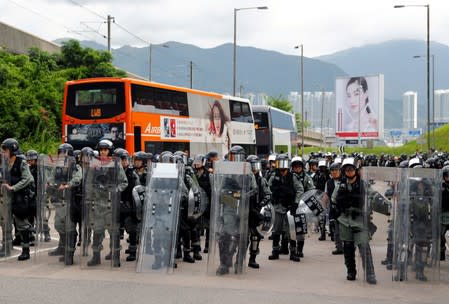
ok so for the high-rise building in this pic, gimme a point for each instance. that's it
(441, 109)
(410, 110)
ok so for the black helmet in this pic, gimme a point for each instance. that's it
(335, 166)
(77, 154)
(313, 161)
(445, 171)
(166, 157)
(237, 154)
(255, 162)
(403, 164)
(87, 151)
(282, 161)
(105, 144)
(121, 153)
(12, 145)
(66, 149)
(31, 155)
(140, 155)
(182, 155)
(199, 161)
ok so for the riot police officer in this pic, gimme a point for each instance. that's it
(20, 184)
(307, 183)
(332, 186)
(128, 216)
(320, 179)
(105, 212)
(353, 221)
(286, 194)
(140, 160)
(444, 212)
(260, 198)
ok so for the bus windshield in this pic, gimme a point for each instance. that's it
(97, 100)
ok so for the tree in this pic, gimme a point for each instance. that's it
(280, 103)
(299, 122)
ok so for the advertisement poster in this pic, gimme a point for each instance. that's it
(88, 135)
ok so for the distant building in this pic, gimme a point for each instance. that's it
(259, 99)
(441, 106)
(409, 110)
(319, 110)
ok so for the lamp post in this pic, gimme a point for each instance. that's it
(427, 6)
(235, 43)
(433, 96)
(302, 98)
(151, 57)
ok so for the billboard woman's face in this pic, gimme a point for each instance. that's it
(217, 120)
(356, 97)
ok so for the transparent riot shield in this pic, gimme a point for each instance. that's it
(416, 230)
(101, 198)
(311, 205)
(229, 217)
(198, 201)
(6, 248)
(53, 210)
(380, 201)
(160, 220)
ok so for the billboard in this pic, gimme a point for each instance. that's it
(360, 107)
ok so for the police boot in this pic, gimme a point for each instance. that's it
(284, 246)
(252, 261)
(132, 256)
(419, 263)
(196, 253)
(108, 257)
(178, 254)
(367, 263)
(187, 257)
(349, 254)
(300, 248)
(294, 252)
(61, 246)
(25, 255)
(206, 242)
(96, 259)
(388, 262)
(323, 234)
(17, 240)
(47, 237)
(275, 253)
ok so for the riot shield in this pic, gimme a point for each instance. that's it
(268, 214)
(380, 200)
(198, 201)
(53, 209)
(101, 198)
(6, 248)
(229, 217)
(160, 221)
(416, 230)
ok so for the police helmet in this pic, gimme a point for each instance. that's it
(199, 161)
(87, 151)
(12, 145)
(445, 171)
(403, 164)
(313, 161)
(182, 155)
(255, 162)
(338, 160)
(272, 158)
(77, 154)
(106, 144)
(282, 161)
(335, 166)
(31, 155)
(237, 154)
(166, 157)
(322, 163)
(297, 160)
(350, 161)
(66, 149)
(431, 162)
(415, 162)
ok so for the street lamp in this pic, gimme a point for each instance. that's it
(150, 58)
(235, 43)
(302, 98)
(433, 96)
(427, 6)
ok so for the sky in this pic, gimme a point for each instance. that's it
(322, 26)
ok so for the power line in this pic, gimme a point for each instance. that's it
(88, 9)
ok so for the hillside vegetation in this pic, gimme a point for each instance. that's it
(32, 87)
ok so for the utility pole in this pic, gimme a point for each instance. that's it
(110, 18)
(191, 74)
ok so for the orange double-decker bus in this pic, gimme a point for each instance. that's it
(153, 117)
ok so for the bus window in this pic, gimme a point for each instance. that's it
(240, 111)
(261, 120)
(160, 101)
(97, 100)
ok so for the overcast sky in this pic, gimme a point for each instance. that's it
(323, 26)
